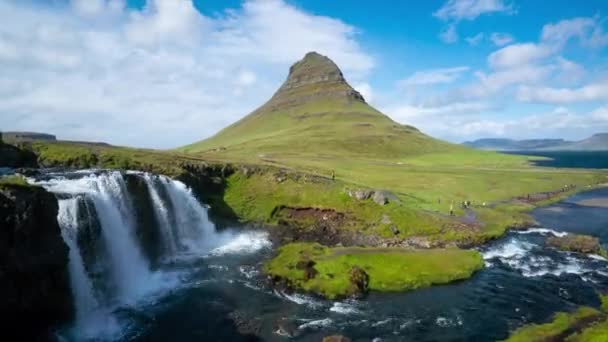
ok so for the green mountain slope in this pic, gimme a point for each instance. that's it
(316, 111)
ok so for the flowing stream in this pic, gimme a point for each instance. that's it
(146, 264)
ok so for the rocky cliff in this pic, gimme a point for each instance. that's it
(34, 279)
(11, 156)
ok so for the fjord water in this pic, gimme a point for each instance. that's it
(570, 159)
(206, 285)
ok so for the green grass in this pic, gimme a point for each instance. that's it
(13, 180)
(597, 332)
(389, 269)
(559, 325)
(78, 155)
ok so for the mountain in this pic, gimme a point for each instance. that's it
(515, 145)
(317, 112)
(597, 142)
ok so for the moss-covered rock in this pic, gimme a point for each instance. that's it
(352, 271)
(576, 243)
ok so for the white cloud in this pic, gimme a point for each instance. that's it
(449, 34)
(519, 54)
(434, 76)
(501, 39)
(588, 30)
(476, 39)
(471, 9)
(591, 92)
(161, 77)
(466, 121)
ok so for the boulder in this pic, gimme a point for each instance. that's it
(287, 328)
(361, 195)
(336, 338)
(576, 243)
(380, 197)
(34, 278)
(360, 280)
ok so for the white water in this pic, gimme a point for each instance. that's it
(129, 268)
(182, 222)
(91, 320)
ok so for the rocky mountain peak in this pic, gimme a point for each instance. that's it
(315, 76)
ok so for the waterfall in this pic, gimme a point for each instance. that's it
(186, 227)
(90, 321)
(126, 233)
(129, 268)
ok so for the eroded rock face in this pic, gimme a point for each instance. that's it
(576, 243)
(34, 279)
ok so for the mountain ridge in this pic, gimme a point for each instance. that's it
(596, 142)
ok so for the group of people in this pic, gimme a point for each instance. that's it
(464, 205)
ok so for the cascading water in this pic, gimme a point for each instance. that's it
(108, 264)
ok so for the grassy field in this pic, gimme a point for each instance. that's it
(582, 325)
(389, 269)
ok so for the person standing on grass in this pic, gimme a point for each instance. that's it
(452, 209)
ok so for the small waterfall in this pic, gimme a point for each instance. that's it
(89, 320)
(162, 215)
(129, 268)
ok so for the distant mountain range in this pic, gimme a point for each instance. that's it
(597, 142)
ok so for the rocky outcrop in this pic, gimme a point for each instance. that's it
(34, 279)
(381, 197)
(576, 243)
(11, 156)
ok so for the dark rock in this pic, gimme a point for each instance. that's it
(11, 156)
(336, 338)
(360, 280)
(394, 230)
(576, 243)
(287, 328)
(34, 279)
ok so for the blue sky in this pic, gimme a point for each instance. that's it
(163, 73)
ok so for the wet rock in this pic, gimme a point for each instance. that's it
(336, 338)
(360, 280)
(576, 243)
(287, 328)
(34, 279)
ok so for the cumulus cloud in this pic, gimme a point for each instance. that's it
(463, 121)
(161, 77)
(597, 91)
